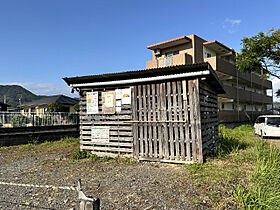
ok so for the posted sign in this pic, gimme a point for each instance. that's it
(100, 134)
(92, 102)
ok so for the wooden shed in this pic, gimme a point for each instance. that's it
(165, 114)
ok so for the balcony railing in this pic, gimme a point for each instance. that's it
(179, 59)
(245, 95)
(17, 119)
(235, 116)
(229, 68)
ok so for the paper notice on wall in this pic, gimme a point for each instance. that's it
(100, 134)
(118, 103)
(92, 102)
(118, 93)
(109, 102)
(126, 96)
(118, 108)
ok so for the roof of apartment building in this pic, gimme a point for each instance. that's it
(214, 44)
(165, 44)
(60, 99)
(217, 44)
(130, 77)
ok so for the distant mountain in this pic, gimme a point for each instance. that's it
(15, 93)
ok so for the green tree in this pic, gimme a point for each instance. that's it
(261, 54)
(55, 107)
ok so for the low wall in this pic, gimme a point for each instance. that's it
(24, 135)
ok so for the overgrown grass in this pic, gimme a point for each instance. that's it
(34, 144)
(245, 174)
(263, 190)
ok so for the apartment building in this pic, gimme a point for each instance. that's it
(246, 93)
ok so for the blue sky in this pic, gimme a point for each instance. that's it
(42, 41)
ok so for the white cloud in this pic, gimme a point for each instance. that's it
(44, 88)
(231, 25)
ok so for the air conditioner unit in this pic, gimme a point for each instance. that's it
(157, 52)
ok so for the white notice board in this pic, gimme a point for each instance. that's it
(126, 96)
(92, 102)
(100, 134)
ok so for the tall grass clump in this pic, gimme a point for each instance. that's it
(231, 140)
(263, 189)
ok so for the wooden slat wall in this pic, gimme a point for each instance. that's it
(163, 122)
(121, 130)
(209, 118)
(174, 121)
(195, 120)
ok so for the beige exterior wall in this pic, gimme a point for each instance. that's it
(243, 89)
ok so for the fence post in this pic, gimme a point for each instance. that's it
(87, 203)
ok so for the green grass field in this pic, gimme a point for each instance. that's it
(244, 175)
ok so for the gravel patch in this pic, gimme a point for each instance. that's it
(142, 185)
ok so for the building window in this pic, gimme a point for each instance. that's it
(172, 53)
(233, 106)
(208, 55)
(223, 105)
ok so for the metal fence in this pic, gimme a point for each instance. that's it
(17, 119)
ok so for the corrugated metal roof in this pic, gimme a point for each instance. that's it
(164, 71)
(136, 73)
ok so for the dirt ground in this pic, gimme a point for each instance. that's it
(118, 184)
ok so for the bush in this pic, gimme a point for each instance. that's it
(19, 120)
(55, 107)
(83, 154)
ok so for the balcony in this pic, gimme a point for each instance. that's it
(228, 68)
(245, 95)
(179, 59)
(241, 116)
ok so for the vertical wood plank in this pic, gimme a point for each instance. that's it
(170, 140)
(198, 122)
(159, 117)
(175, 110)
(164, 118)
(192, 118)
(154, 116)
(195, 120)
(186, 116)
(180, 108)
(145, 119)
(150, 134)
(140, 110)
(135, 125)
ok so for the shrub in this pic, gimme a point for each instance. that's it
(19, 120)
